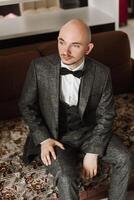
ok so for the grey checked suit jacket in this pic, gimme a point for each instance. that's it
(39, 104)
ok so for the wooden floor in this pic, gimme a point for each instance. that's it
(101, 192)
(129, 197)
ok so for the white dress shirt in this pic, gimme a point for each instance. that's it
(70, 86)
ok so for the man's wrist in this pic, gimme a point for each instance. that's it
(93, 154)
(44, 141)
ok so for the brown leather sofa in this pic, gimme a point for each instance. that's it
(111, 48)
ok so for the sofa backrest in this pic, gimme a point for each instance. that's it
(12, 73)
(113, 50)
(13, 70)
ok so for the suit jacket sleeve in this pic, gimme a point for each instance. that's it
(29, 107)
(102, 131)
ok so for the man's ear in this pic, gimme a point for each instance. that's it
(89, 48)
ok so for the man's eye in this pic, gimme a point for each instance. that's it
(61, 42)
(76, 45)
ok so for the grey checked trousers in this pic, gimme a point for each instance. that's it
(67, 175)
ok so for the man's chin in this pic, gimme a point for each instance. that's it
(67, 62)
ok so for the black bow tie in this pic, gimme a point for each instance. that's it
(65, 71)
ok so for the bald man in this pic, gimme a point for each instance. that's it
(67, 102)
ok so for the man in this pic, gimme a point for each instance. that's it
(67, 102)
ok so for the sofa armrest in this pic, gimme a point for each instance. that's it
(132, 73)
(132, 59)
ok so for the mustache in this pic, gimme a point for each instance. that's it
(66, 56)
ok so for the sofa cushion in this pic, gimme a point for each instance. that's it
(13, 70)
(113, 49)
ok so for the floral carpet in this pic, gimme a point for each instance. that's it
(33, 182)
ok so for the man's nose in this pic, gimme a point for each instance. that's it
(67, 50)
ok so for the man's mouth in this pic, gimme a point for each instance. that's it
(67, 57)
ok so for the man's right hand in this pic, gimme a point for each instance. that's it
(47, 150)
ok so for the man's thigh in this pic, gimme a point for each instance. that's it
(116, 151)
(67, 162)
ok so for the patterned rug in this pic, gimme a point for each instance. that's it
(33, 182)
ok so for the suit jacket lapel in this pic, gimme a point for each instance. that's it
(85, 88)
(55, 87)
(86, 85)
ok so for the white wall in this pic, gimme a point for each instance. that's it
(9, 2)
(111, 7)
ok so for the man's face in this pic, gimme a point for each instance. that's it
(72, 45)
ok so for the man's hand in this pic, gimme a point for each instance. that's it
(89, 165)
(47, 150)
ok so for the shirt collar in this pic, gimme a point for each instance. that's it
(80, 67)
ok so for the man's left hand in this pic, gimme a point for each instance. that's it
(89, 165)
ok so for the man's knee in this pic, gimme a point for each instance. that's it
(125, 159)
(64, 171)
(120, 154)
(68, 174)
(67, 179)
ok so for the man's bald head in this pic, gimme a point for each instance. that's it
(74, 42)
(78, 26)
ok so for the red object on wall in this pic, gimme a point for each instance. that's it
(123, 12)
